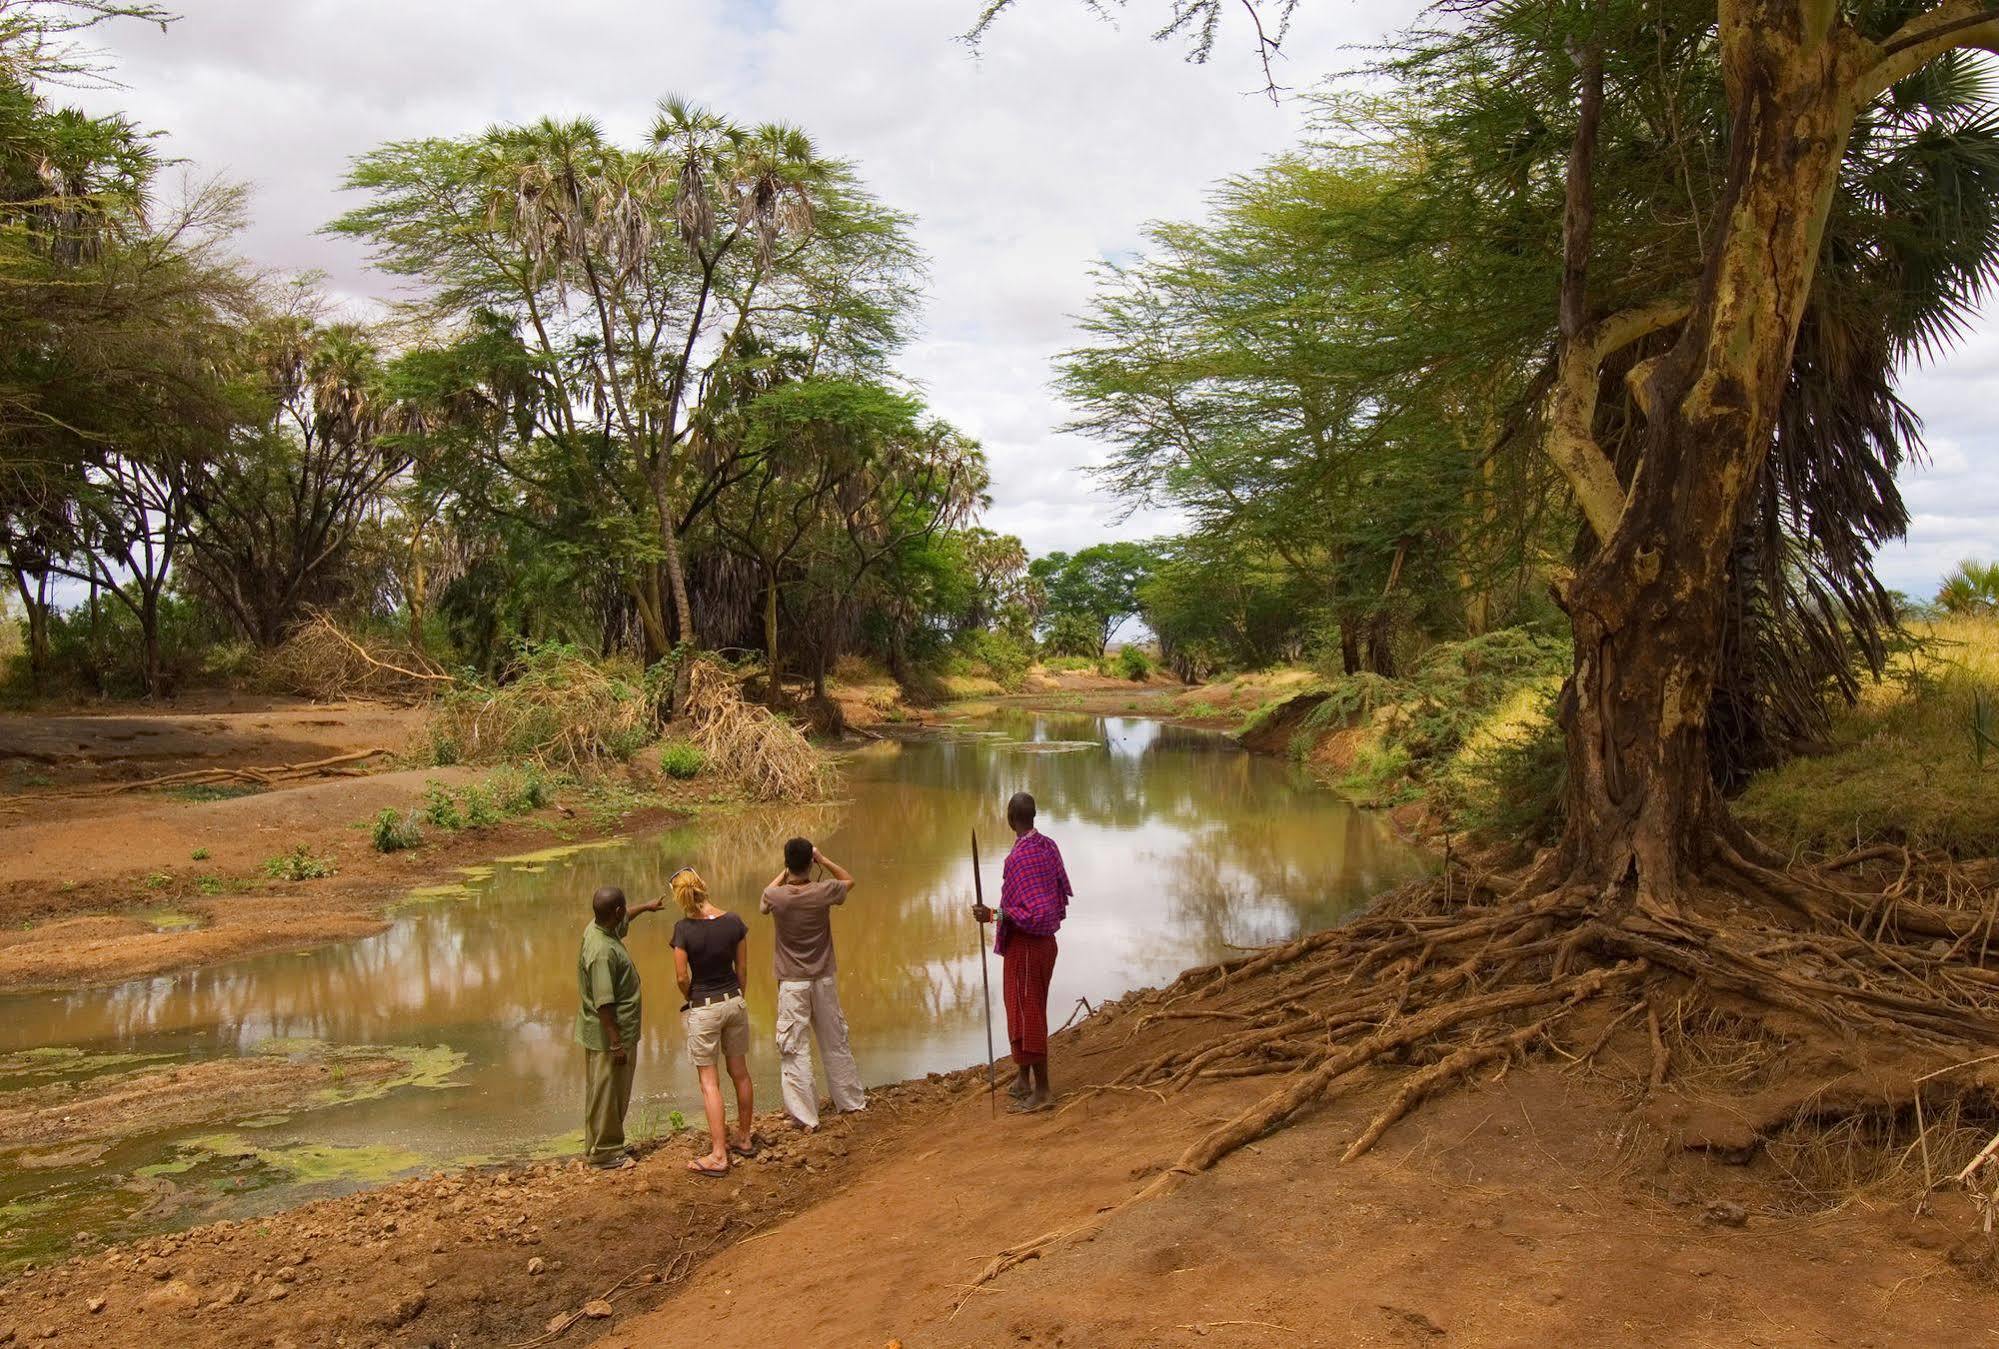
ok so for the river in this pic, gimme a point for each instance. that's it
(1182, 848)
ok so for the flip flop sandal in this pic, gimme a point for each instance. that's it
(749, 1151)
(1023, 1108)
(705, 1171)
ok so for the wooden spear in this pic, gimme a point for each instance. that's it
(985, 979)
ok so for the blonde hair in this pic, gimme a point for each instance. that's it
(689, 891)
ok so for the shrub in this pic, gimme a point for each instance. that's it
(1134, 664)
(678, 759)
(481, 811)
(1007, 661)
(440, 810)
(300, 864)
(521, 789)
(394, 831)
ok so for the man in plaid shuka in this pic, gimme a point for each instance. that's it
(1034, 898)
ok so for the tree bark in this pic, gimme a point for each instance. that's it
(770, 633)
(1643, 815)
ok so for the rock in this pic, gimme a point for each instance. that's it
(537, 1265)
(557, 1324)
(597, 1309)
(173, 1295)
(95, 1305)
(1726, 1213)
(406, 1310)
(6, 1334)
(159, 1269)
(279, 1292)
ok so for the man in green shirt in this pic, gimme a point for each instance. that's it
(608, 1025)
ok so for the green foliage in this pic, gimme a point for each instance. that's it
(1075, 636)
(1973, 588)
(481, 810)
(300, 864)
(440, 807)
(1509, 787)
(1088, 595)
(393, 831)
(1004, 656)
(521, 789)
(1134, 664)
(680, 760)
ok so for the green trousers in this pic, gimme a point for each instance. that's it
(607, 1092)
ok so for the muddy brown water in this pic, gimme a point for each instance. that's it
(1182, 848)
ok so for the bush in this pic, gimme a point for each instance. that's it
(521, 789)
(678, 759)
(395, 831)
(105, 656)
(481, 811)
(300, 864)
(1134, 664)
(440, 808)
(1006, 660)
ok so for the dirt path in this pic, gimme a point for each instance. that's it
(1506, 1216)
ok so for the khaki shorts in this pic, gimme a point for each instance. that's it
(724, 1024)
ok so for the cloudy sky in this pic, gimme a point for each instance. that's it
(1046, 152)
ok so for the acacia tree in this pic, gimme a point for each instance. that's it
(1703, 347)
(606, 294)
(278, 504)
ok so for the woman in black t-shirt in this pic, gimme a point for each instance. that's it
(710, 958)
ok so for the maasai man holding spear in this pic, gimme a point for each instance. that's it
(1034, 898)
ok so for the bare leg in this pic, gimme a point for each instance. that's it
(739, 1073)
(717, 1158)
(1039, 1095)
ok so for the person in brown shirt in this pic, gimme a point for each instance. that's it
(808, 1001)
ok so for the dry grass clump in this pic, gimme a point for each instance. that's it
(320, 661)
(1825, 1163)
(766, 753)
(557, 707)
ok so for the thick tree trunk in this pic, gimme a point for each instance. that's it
(1642, 812)
(770, 634)
(1349, 647)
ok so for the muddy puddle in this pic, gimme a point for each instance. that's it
(446, 1039)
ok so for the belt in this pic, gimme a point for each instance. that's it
(708, 1000)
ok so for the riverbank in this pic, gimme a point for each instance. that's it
(1559, 1203)
(104, 878)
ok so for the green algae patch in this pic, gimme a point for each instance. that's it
(561, 1145)
(558, 853)
(354, 1071)
(291, 1163)
(434, 894)
(66, 1061)
(169, 920)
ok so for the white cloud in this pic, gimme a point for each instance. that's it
(1024, 167)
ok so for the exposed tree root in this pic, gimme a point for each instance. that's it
(1463, 971)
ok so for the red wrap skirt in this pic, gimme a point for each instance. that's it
(1029, 966)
